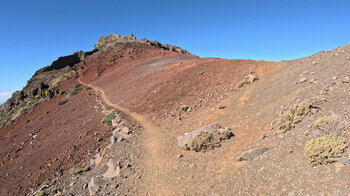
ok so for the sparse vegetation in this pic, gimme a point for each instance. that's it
(76, 89)
(32, 103)
(65, 76)
(110, 61)
(53, 189)
(80, 170)
(8, 120)
(88, 88)
(321, 120)
(205, 141)
(24, 110)
(184, 108)
(107, 120)
(289, 118)
(62, 101)
(222, 107)
(41, 193)
(325, 149)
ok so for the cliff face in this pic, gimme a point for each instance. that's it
(111, 40)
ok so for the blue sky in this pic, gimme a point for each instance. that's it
(34, 33)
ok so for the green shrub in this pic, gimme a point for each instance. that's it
(76, 90)
(77, 85)
(80, 170)
(41, 193)
(110, 61)
(53, 189)
(24, 111)
(8, 120)
(325, 149)
(62, 102)
(107, 120)
(87, 88)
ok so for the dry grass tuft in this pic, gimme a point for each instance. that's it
(209, 140)
(289, 118)
(322, 120)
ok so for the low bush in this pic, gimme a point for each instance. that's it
(53, 189)
(80, 170)
(289, 118)
(110, 61)
(325, 149)
(41, 193)
(322, 120)
(76, 89)
(209, 140)
(62, 102)
(24, 110)
(107, 120)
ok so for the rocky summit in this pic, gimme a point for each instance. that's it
(137, 117)
(112, 40)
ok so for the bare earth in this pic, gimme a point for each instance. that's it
(149, 87)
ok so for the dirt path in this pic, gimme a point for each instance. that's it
(156, 162)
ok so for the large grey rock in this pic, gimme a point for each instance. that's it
(112, 171)
(252, 155)
(93, 188)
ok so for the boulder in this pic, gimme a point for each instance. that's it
(252, 155)
(204, 138)
(247, 80)
(93, 188)
(112, 171)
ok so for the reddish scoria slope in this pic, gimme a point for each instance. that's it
(143, 78)
(49, 141)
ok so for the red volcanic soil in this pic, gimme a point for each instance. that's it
(52, 139)
(143, 78)
(49, 141)
(129, 71)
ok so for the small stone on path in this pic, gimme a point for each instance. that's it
(303, 79)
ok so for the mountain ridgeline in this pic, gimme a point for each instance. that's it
(44, 83)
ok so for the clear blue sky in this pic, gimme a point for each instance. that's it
(34, 33)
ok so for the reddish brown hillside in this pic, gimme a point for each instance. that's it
(151, 83)
(142, 78)
(50, 140)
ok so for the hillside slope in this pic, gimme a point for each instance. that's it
(156, 93)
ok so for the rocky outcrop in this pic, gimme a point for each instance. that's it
(65, 61)
(42, 85)
(111, 40)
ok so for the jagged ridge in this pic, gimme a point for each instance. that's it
(111, 40)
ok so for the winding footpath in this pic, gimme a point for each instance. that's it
(156, 163)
